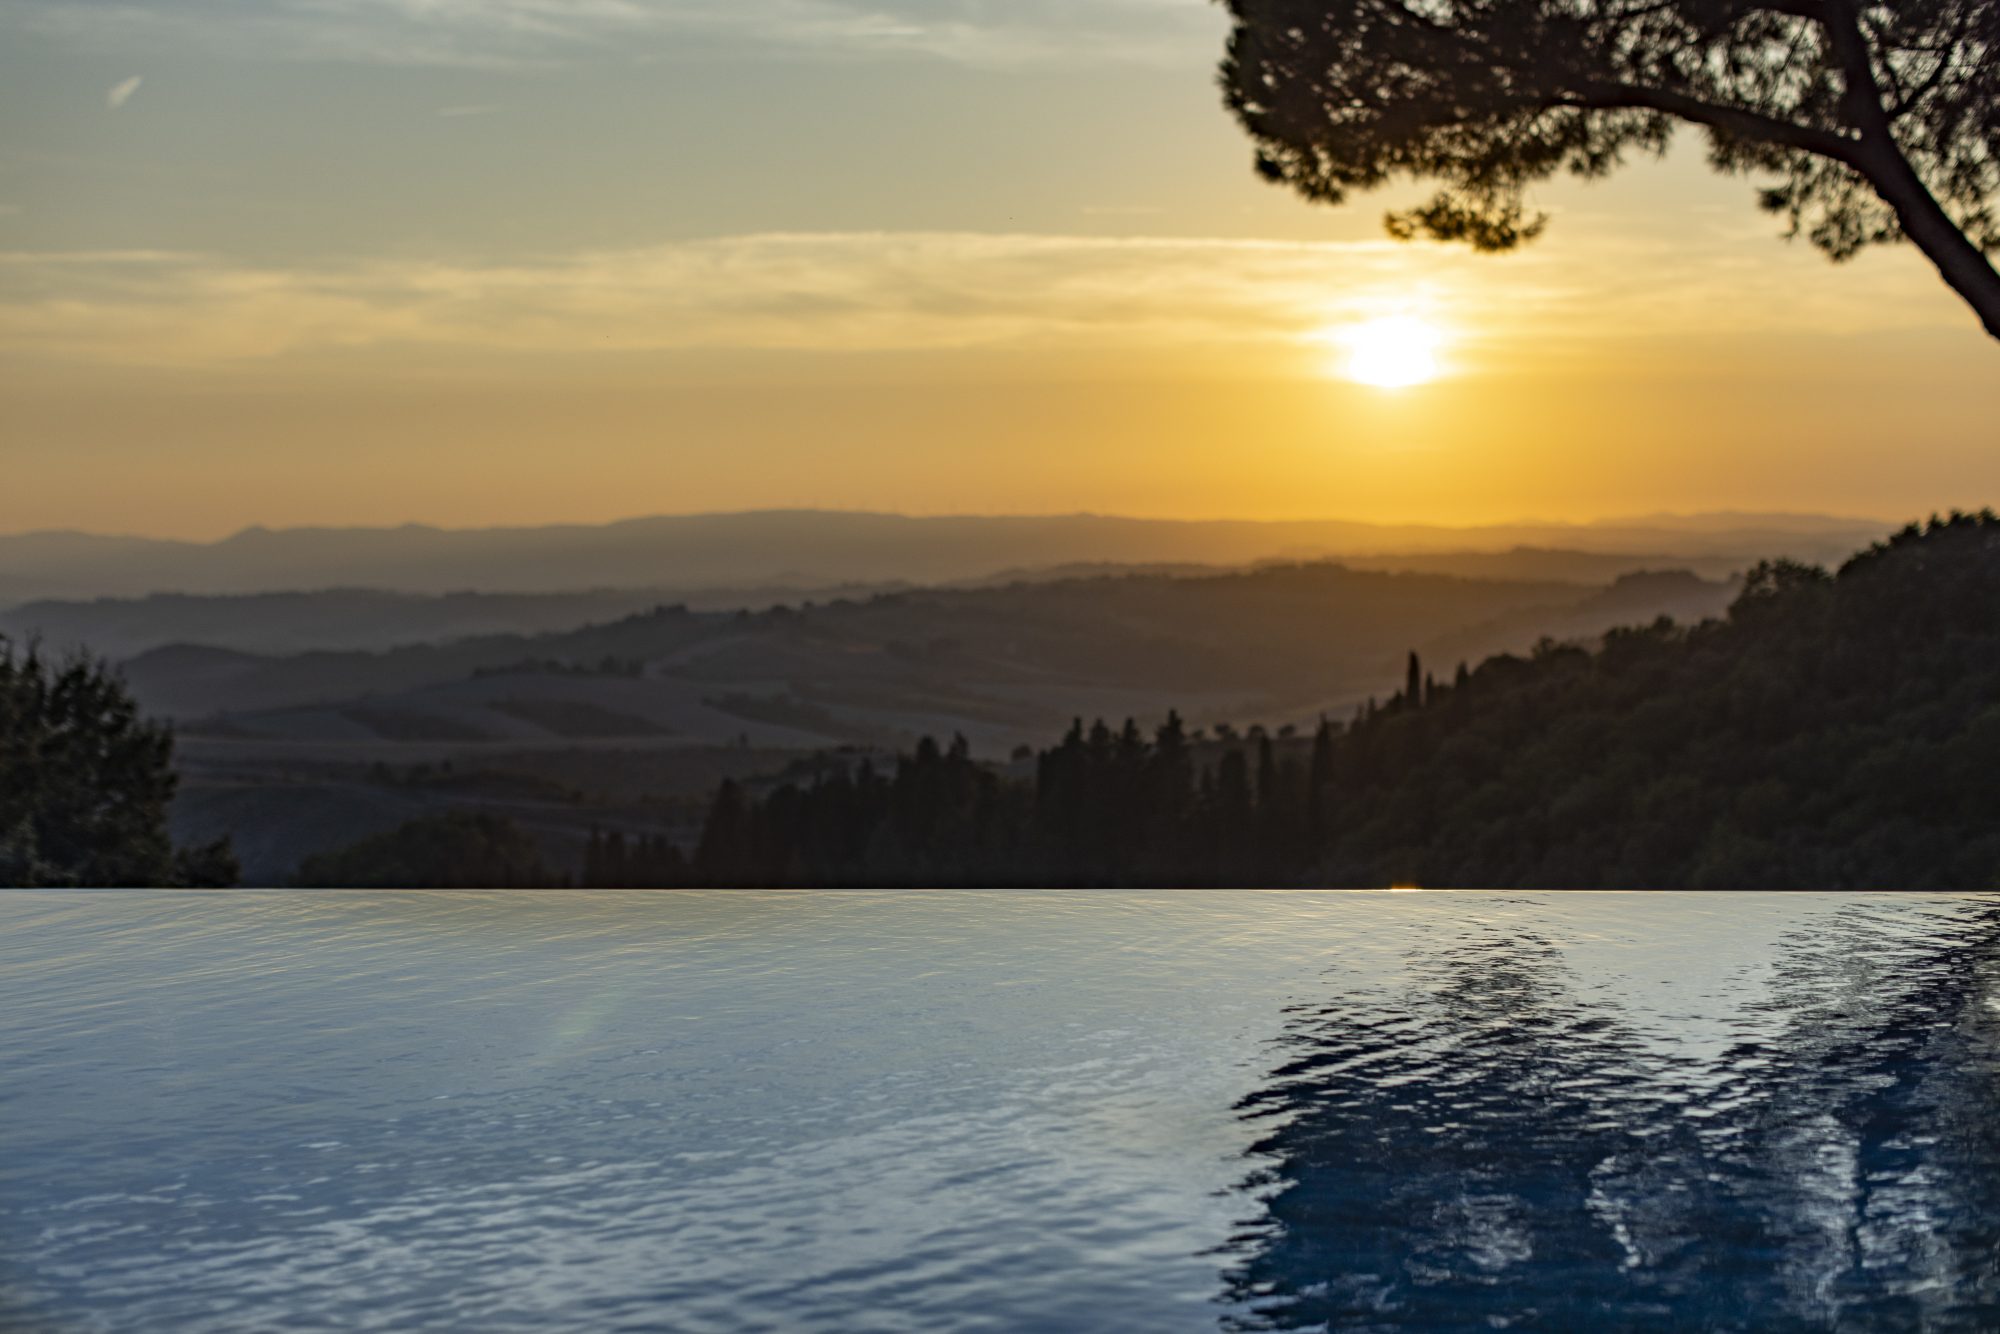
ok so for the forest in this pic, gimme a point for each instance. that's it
(1833, 731)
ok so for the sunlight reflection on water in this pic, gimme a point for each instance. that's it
(999, 1111)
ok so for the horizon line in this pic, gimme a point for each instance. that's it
(417, 525)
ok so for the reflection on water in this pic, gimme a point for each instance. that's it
(1492, 1143)
(996, 1112)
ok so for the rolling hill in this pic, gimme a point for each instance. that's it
(1000, 664)
(810, 548)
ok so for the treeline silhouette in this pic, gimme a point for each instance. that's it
(1832, 732)
(86, 781)
(453, 850)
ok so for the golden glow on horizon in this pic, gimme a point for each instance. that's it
(1112, 315)
(1394, 352)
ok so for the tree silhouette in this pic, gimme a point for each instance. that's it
(85, 782)
(1836, 730)
(1875, 123)
(455, 850)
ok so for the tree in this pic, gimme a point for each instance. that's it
(726, 845)
(85, 782)
(1836, 730)
(455, 850)
(1871, 123)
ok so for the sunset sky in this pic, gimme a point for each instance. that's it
(521, 261)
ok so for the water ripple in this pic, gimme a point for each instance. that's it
(1143, 1112)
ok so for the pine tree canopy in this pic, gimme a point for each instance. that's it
(1866, 123)
(85, 782)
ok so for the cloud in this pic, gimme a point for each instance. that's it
(454, 113)
(121, 93)
(526, 33)
(829, 292)
(860, 292)
(26, 261)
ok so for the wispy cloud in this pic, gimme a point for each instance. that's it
(503, 33)
(852, 292)
(121, 93)
(14, 263)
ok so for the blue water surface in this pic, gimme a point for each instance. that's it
(998, 1111)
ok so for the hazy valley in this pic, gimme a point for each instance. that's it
(808, 549)
(312, 710)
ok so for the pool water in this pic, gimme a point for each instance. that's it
(998, 1111)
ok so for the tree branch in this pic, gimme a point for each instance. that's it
(1864, 93)
(1946, 53)
(1738, 121)
(1880, 159)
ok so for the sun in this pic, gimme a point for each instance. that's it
(1393, 352)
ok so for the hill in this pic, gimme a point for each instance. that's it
(294, 754)
(372, 620)
(1002, 664)
(352, 619)
(811, 549)
(1832, 732)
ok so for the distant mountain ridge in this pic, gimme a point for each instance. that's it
(1834, 731)
(998, 663)
(814, 548)
(353, 619)
(370, 620)
(293, 754)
